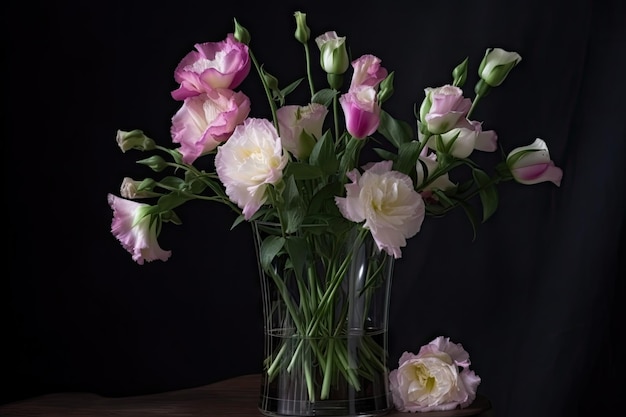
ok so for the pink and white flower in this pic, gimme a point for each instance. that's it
(438, 378)
(531, 164)
(136, 229)
(300, 127)
(249, 162)
(443, 108)
(206, 120)
(367, 71)
(361, 110)
(212, 65)
(386, 202)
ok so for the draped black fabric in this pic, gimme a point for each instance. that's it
(537, 298)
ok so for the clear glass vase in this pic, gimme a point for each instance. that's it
(325, 310)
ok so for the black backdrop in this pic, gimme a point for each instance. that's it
(536, 299)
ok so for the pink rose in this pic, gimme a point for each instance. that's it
(206, 120)
(223, 64)
(438, 378)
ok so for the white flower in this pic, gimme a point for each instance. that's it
(388, 203)
(251, 159)
(437, 378)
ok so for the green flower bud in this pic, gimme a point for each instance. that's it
(241, 33)
(155, 162)
(303, 33)
(496, 65)
(459, 73)
(333, 54)
(270, 80)
(386, 88)
(135, 139)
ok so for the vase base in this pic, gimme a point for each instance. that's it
(362, 407)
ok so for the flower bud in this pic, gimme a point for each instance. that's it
(459, 74)
(303, 33)
(133, 189)
(333, 54)
(496, 65)
(135, 139)
(386, 88)
(155, 162)
(241, 33)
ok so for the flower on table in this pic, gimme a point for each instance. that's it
(437, 378)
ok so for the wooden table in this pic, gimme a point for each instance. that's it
(232, 397)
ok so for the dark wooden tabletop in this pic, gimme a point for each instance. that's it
(236, 397)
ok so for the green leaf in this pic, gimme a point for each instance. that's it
(323, 196)
(292, 210)
(324, 96)
(385, 154)
(302, 171)
(270, 247)
(297, 250)
(173, 182)
(323, 154)
(408, 154)
(487, 192)
(285, 91)
(171, 201)
(396, 131)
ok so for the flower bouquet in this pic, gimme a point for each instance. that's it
(327, 224)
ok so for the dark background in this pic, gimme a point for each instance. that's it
(536, 299)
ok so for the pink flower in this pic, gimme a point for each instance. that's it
(300, 127)
(367, 71)
(248, 162)
(443, 107)
(361, 110)
(223, 64)
(206, 120)
(136, 229)
(438, 378)
(388, 204)
(531, 164)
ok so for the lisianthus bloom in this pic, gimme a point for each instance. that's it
(531, 164)
(206, 120)
(361, 110)
(429, 161)
(367, 71)
(223, 64)
(443, 107)
(136, 229)
(248, 162)
(496, 65)
(438, 378)
(388, 204)
(300, 127)
(333, 54)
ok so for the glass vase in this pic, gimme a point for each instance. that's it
(325, 303)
